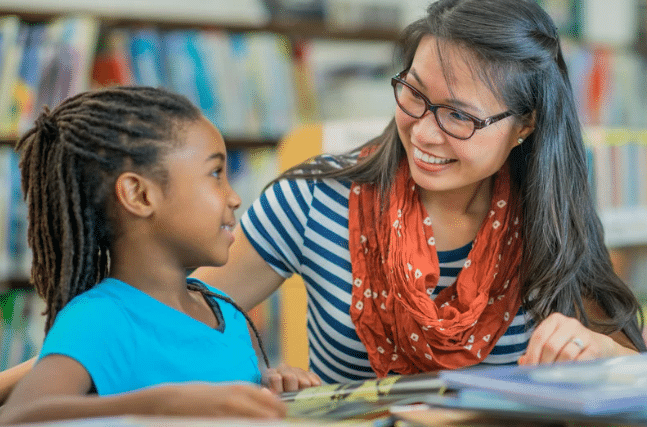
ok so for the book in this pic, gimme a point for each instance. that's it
(146, 60)
(362, 398)
(67, 54)
(112, 61)
(599, 387)
(13, 36)
(487, 410)
(25, 85)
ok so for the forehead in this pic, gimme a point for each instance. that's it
(451, 71)
(202, 135)
(199, 141)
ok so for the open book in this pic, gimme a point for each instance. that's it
(615, 386)
(364, 398)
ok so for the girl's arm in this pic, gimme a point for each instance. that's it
(10, 377)
(561, 338)
(246, 277)
(57, 387)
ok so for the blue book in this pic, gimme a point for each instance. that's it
(145, 53)
(629, 172)
(600, 387)
(19, 252)
(246, 122)
(25, 88)
(590, 164)
(188, 72)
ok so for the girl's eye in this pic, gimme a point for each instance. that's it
(217, 173)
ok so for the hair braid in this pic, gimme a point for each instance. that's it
(69, 162)
(204, 291)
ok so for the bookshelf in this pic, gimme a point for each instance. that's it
(257, 147)
(124, 15)
(625, 227)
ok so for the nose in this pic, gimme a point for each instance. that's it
(426, 130)
(233, 199)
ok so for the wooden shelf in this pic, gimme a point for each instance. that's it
(232, 143)
(15, 283)
(292, 28)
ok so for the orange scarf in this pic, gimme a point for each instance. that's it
(395, 269)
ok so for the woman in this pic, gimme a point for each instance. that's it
(482, 172)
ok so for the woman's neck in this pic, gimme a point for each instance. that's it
(469, 200)
(456, 216)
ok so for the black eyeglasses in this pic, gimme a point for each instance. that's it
(452, 121)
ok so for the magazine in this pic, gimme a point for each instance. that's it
(611, 386)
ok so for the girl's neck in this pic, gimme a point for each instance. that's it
(149, 271)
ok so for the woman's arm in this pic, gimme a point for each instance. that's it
(57, 387)
(246, 277)
(561, 338)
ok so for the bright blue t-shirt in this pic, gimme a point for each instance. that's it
(127, 340)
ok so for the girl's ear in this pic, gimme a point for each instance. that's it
(137, 194)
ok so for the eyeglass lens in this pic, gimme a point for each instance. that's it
(450, 120)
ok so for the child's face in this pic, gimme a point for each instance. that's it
(196, 218)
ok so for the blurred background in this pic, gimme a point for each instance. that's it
(261, 68)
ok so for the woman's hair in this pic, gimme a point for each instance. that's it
(513, 47)
(70, 161)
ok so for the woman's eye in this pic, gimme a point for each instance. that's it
(410, 92)
(217, 173)
(459, 116)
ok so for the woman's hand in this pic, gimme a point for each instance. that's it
(560, 338)
(287, 378)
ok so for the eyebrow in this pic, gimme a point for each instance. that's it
(457, 103)
(216, 156)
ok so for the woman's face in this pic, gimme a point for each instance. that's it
(438, 161)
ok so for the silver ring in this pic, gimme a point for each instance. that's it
(578, 342)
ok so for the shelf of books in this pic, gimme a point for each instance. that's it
(256, 77)
(618, 176)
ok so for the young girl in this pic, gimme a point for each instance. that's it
(466, 232)
(127, 189)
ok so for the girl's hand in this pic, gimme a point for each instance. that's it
(559, 338)
(226, 400)
(287, 378)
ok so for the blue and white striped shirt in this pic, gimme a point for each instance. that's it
(301, 227)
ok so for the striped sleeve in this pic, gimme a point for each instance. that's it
(275, 224)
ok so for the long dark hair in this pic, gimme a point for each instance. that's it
(515, 50)
(70, 161)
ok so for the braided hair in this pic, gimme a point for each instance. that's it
(70, 161)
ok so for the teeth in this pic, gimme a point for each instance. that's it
(429, 159)
(226, 227)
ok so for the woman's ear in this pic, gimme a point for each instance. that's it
(136, 194)
(528, 125)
